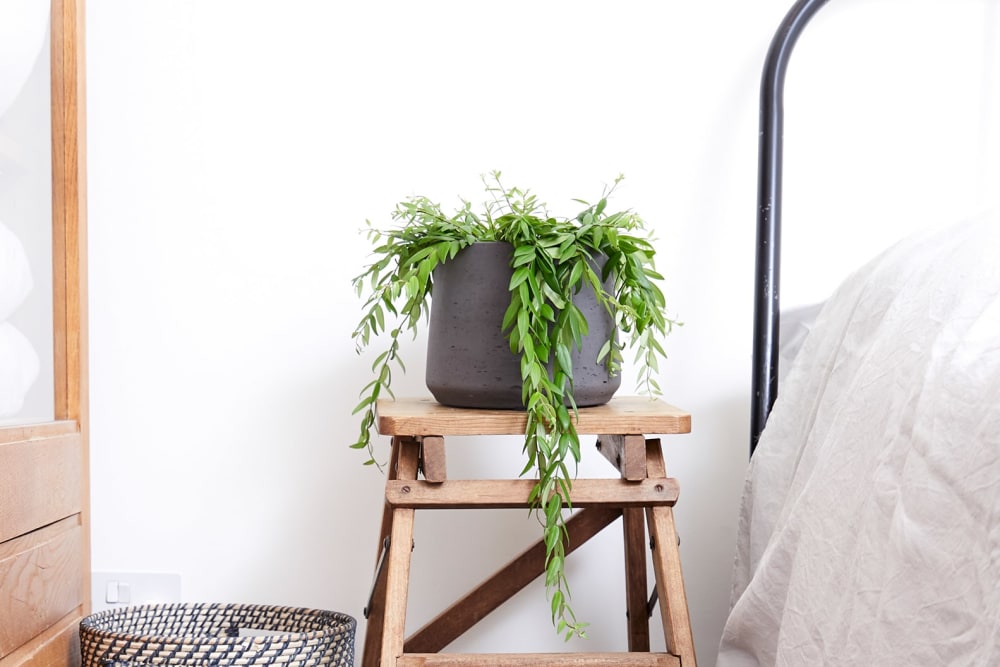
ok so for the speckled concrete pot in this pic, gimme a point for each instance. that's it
(469, 362)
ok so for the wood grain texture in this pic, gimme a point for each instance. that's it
(376, 610)
(538, 659)
(398, 564)
(69, 240)
(42, 577)
(627, 453)
(513, 493)
(56, 647)
(69, 208)
(667, 566)
(40, 482)
(432, 458)
(21, 433)
(629, 414)
(637, 617)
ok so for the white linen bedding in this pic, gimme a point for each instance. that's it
(796, 323)
(869, 531)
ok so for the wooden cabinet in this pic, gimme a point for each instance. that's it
(44, 513)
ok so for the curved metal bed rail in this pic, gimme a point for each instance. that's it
(764, 388)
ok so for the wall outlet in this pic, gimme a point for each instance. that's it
(111, 590)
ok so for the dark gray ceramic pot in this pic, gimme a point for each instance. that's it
(469, 362)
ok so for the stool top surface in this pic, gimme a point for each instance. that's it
(626, 415)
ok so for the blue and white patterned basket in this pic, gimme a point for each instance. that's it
(220, 635)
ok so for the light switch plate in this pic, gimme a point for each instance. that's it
(120, 589)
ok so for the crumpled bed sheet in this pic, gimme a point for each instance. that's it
(869, 531)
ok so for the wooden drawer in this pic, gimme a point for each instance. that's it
(42, 575)
(41, 473)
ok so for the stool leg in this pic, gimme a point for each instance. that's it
(667, 566)
(634, 529)
(398, 564)
(375, 613)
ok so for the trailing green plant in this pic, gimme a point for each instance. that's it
(553, 259)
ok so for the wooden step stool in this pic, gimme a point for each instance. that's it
(418, 428)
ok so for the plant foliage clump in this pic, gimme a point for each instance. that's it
(553, 259)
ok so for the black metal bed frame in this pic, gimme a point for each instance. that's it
(767, 277)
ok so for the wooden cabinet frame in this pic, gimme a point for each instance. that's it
(44, 487)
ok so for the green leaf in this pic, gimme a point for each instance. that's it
(413, 286)
(605, 351)
(378, 360)
(523, 255)
(520, 275)
(577, 329)
(576, 273)
(553, 296)
(564, 421)
(424, 271)
(522, 324)
(553, 570)
(365, 402)
(511, 314)
(568, 250)
(565, 359)
(528, 349)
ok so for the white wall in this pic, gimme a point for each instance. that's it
(235, 148)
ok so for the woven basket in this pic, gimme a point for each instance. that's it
(210, 634)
